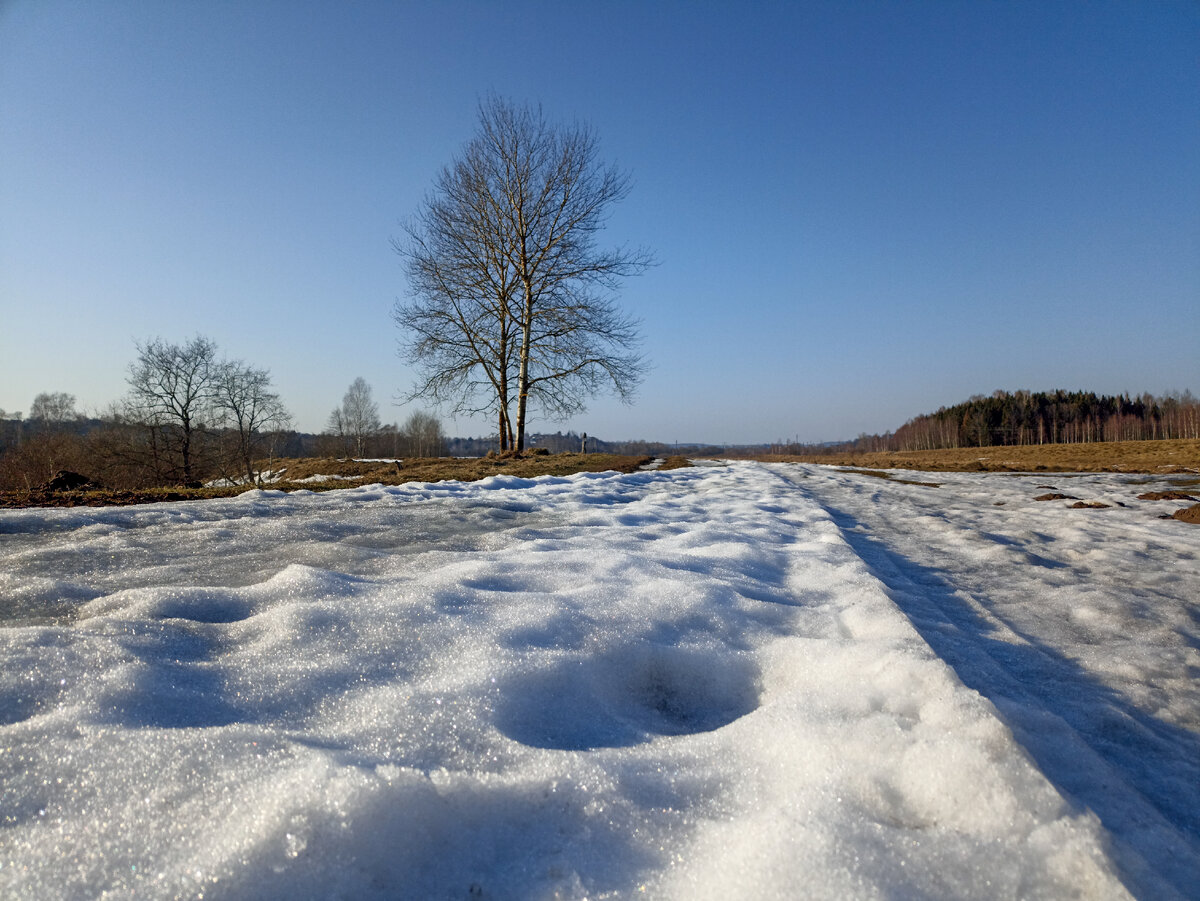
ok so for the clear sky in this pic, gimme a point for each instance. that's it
(862, 211)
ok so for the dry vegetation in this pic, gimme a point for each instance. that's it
(1180, 458)
(1173, 456)
(1160, 459)
(892, 477)
(299, 474)
(675, 462)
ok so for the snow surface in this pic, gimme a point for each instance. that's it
(740, 681)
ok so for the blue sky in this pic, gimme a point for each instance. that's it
(862, 211)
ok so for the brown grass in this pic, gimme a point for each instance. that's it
(1188, 514)
(1175, 456)
(675, 462)
(887, 476)
(526, 466)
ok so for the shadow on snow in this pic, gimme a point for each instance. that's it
(1138, 774)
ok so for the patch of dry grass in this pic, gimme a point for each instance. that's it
(675, 462)
(1175, 456)
(1188, 514)
(887, 476)
(526, 466)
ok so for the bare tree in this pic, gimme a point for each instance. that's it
(127, 452)
(56, 407)
(172, 389)
(243, 395)
(357, 419)
(462, 330)
(422, 435)
(509, 292)
(189, 409)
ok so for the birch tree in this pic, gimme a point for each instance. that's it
(53, 407)
(357, 419)
(422, 434)
(243, 395)
(511, 298)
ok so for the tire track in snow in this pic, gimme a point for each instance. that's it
(1139, 774)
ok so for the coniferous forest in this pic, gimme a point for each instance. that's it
(1035, 417)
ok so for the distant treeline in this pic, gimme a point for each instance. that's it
(1031, 417)
(122, 454)
(193, 415)
(118, 453)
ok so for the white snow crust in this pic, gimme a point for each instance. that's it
(739, 681)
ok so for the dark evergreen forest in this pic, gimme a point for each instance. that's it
(1033, 417)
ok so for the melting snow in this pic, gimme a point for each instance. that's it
(727, 682)
(266, 477)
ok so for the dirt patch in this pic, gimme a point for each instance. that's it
(1088, 505)
(1188, 514)
(1056, 496)
(1165, 496)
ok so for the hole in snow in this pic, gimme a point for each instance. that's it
(203, 607)
(626, 696)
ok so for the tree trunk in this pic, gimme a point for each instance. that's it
(187, 451)
(505, 426)
(523, 377)
(251, 479)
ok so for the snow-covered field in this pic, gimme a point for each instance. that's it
(740, 681)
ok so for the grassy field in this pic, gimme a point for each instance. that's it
(305, 473)
(1180, 458)
(1158, 457)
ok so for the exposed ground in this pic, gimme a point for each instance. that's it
(296, 474)
(1188, 514)
(1172, 464)
(1174, 456)
(1180, 458)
